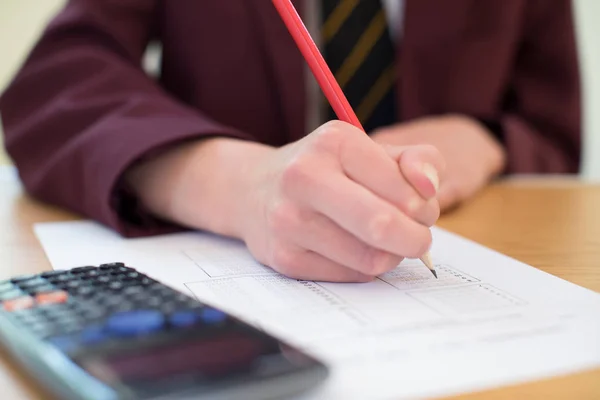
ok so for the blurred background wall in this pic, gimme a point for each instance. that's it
(21, 21)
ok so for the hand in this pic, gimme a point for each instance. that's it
(472, 156)
(336, 206)
(333, 206)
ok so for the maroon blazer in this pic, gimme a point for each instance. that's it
(81, 110)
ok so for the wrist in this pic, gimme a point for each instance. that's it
(226, 178)
(201, 185)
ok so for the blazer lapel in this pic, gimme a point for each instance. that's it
(286, 65)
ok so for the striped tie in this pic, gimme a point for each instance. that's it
(358, 49)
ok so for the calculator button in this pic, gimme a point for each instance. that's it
(116, 285)
(6, 286)
(212, 316)
(91, 314)
(135, 323)
(42, 289)
(91, 274)
(64, 277)
(20, 303)
(146, 281)
(133, 291)
(52, 297)
(31, 283)
(42, 330)
(53, 309)
(67, 318)
(50, 274)
(58, 314)
(104, 279)
(133, 275)
(70, 328)
(23, 278)
(145, 301)
(80, 270)
(12, 294)
(93, 335)
(112, 265)
(183, 319)
(72, 284)
(26, 314)
(168, 308)
(111, 300)
(84, 291)
(124, 306)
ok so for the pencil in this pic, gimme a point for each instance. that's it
(329, 85)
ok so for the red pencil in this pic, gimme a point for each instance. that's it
(317, 64)
(324, 77)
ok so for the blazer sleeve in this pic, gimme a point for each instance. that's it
(81, 110)
(541, 129)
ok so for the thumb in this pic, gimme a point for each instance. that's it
(422, 166)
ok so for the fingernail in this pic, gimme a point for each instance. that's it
(431, 173)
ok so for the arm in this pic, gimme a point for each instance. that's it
(541, 129)
(81, 112)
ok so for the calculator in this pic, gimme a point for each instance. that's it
(111, 332)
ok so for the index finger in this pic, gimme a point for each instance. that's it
(370, 165)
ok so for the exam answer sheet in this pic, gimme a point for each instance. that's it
(487, 321)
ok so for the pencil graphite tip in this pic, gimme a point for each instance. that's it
(434, 273)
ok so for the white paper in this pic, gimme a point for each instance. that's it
(487, 321)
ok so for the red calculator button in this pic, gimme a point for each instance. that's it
(52, 297)
(20, 303)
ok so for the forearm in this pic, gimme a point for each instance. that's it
(202, 185)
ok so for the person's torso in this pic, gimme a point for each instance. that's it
(236, 62)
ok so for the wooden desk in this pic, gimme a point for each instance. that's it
(555, 227)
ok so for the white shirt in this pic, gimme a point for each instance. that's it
(394, 10)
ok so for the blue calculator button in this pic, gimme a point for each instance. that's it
(94, 335)
(133, 323)
(182, 319)
(212, 316)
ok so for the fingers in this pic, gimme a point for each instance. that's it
(301, 264)
(371, 166)
(363, 214)
(317, 233)
(422, 167)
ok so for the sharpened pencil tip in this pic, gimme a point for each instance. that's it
(426, 259)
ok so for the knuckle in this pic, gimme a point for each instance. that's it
(282, 217)
(329, 136)
(298, 172)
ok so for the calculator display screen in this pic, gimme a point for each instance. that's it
(185, 364)
(212, 357)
